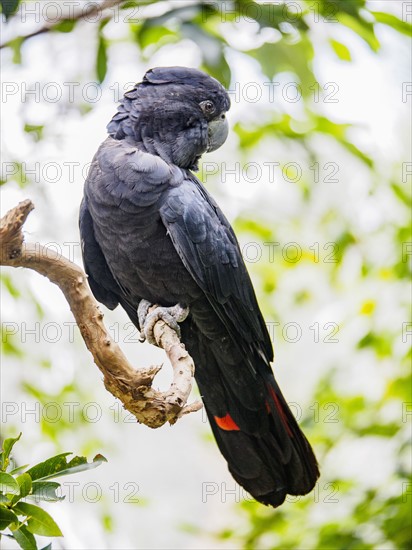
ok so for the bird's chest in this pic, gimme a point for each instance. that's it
(142, 257)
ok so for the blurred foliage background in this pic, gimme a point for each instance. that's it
(316, 179)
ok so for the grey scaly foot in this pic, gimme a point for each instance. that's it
(142, 311)
(170, 315)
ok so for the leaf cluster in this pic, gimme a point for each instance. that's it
(20, 519)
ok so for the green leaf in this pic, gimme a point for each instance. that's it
(381, 343)
(46, 490)
(341, 50)
(18, 469)
(402, 194)
(15, 46)
(48, 547)
(7, 447)
(290, 57)
(393, 21)
(24, 481)
(80, 464)
(101, 61)
(154, 35)
(36, 130)
(349, 146)
(271, 14)
(25, 539)
(8, 484)
(382, 430)
(9, 285)
(49, 468)
(181, 14)
(211, 46)
(9, 7)
(39, 521)
(256, 228)
(6, 517)
(362, 28)
(400, 388)
(338, 131)
(17, 174)
(219, 70)
(107, 522)
(67, 25)
(9, 345)
(58, 466)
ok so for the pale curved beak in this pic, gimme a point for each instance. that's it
(218, 130)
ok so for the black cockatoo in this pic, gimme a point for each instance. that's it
(152, 234)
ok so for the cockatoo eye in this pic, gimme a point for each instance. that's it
(207, 106)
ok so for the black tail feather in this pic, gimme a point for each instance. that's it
(271, 465)
(266, 451)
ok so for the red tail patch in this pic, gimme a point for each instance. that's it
(280, 410)
(227, 423)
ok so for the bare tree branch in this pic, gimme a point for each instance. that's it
(93, 10)
(132, 386)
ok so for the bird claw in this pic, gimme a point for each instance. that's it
(170, 315)
(142, 311)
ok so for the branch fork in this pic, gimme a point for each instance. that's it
(133, 387)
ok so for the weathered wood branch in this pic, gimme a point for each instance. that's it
(132, 386)
(92, 10)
